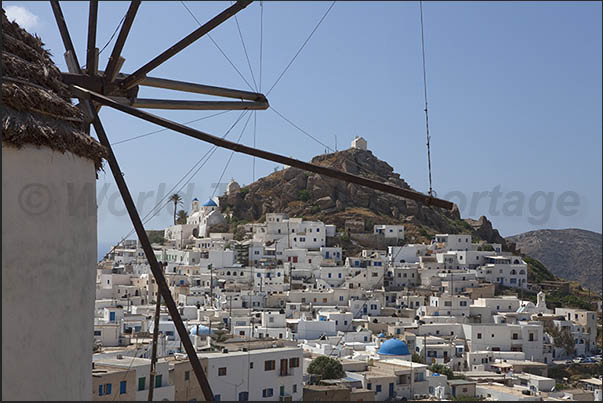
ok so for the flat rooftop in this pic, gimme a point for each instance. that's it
(100, 370)
(502, 388)
(403, 363)
(124, 362)
(592, 381)
(250, 352)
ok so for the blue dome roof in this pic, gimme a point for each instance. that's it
(393, 347)
(210, 203)
(203, 330)
(195, 199)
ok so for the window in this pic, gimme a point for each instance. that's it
(269, 365)
(282, 390)
(294, 362)
(100, 390)
(369, 386)
(378, 388)
(122, 387)
(107, 389)
(479, 335)
(295, 388)
(531, 336)
(217, 397)
(158, 381)
(515, 336)
(243, 396)
(187, 375)
(267, 392)
(141, 383)
(251, 365)
(97, 332)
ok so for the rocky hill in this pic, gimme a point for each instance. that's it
(312, 196)
(572, 254)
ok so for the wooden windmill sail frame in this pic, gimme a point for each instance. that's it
(96, 88)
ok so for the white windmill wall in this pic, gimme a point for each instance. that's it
(49, 249)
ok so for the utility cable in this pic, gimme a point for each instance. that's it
(260, 84)
(218, 46)
(245, 51)
(301, 48)
(162, 130)
(231, 154)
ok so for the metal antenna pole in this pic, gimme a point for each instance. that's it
(425, 348)
(154, 349)
(211, 292)
(230, 314)
(425, 95)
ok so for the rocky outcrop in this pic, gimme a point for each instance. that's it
(312, 196)
(483, 228)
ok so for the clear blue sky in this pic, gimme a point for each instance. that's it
(514, 95)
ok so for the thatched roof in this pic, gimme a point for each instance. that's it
(36, 106)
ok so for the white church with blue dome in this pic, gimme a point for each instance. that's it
(200, 219)
(394, 348)
(385, 349)
(204, 216)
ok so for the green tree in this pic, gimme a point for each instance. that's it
(417, 358)
(561, 338)
(177, 200)
(220, 335)
(303, 195)
(181, 217)
(156, 236)
(567, 341)
(442, 370)
(326, 367)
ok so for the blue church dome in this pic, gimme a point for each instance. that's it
(210, 203)
(195, 199)
(393, 347)
(203, 331)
